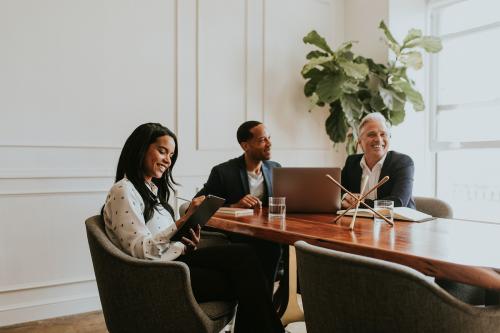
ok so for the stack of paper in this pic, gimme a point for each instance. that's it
(236, 212)
(400, 213)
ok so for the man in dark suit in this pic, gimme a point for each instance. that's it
(246, 182)
(377, 162)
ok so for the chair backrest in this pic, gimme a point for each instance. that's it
(344, 292)
(142, 295)
(433, 206)
(183, 208)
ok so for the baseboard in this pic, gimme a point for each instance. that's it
(37, 303)
(51, 309)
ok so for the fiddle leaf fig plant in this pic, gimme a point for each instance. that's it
(353, 86)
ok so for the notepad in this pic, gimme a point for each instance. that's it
(400, 213)
(236, 212)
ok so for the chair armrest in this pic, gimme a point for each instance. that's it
(150, 289)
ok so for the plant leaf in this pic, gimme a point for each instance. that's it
(315, 75)
(315, 72)
(315, 62)
(412, 59)
(316, 54)
(349, 87)
(313, 101)
(354, 70)
(352, 107)
(413, 96)
(329, 88)
(429, 43)
(412, 34)
(373, 82)
(397, 117)
(393, 100)
(387, 33)
(315, 39)
(393, 44)
(351, 145)
(344, 47)
(376, 103)
(336, 125)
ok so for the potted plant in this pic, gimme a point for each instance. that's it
(353, 86)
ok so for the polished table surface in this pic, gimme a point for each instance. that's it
(458, 250)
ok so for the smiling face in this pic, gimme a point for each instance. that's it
(374, 140)
(158, 157)
(258, 148)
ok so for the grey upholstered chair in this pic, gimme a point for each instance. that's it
(464, 292)
(343, 292)
(183, 208)
(433, 206)
(148, 296)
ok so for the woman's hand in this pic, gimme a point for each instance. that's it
(194, 204)
(192, 242)
(192, 207)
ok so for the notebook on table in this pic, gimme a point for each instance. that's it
(236, 212)
(307, 190)
(400, 213)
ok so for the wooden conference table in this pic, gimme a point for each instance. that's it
(457, 250)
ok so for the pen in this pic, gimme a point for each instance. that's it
(188, 200)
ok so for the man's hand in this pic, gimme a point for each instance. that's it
(248, 201)
(192, 242)
(349, 201)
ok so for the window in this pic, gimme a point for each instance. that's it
(465, 104)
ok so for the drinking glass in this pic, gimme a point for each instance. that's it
(277, 208)
(385, 208)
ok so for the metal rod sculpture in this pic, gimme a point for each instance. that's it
(359, 200)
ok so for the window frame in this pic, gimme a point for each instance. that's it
(436, 145)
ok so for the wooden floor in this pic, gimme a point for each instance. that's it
(92, 322)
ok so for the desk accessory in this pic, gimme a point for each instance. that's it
(364, 181)
(360, 200)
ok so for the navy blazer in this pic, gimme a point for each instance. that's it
(400, 169)
(229, 180)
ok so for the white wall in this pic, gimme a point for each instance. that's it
(362, 18)
(412, 136)
(76, 78)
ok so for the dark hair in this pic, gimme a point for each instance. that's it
(243, 134)
(131, 164)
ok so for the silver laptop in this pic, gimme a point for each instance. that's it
(307, 190)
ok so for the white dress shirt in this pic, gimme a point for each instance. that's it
(256, 184)
(125, 225)
(373, 175)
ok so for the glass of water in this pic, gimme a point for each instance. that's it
(385, 208)
(277, 208)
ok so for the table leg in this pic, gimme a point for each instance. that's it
(293, 312)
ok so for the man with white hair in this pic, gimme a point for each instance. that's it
(377, 162)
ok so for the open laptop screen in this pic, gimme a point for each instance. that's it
(307, 190)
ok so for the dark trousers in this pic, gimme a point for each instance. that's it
(233, 272)
(268, 253)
